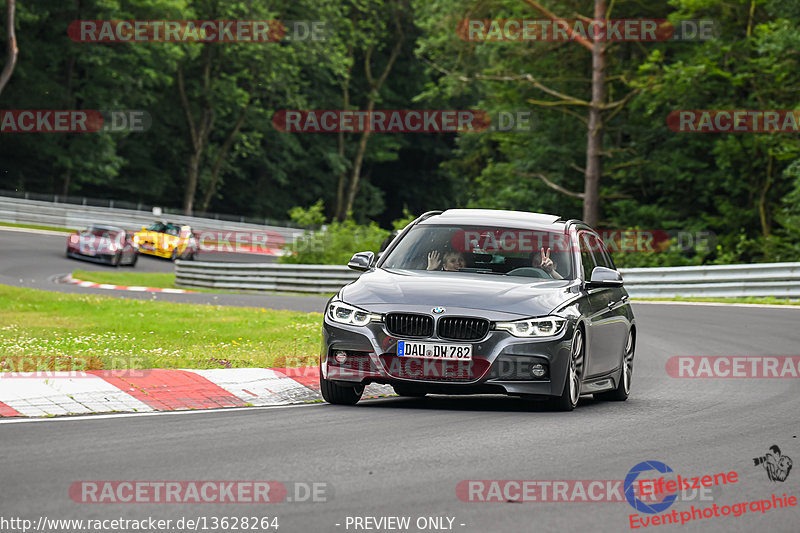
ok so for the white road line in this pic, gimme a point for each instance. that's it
(717, 304)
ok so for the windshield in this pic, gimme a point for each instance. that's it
(488, 250)
(101, 232)
(169, 229)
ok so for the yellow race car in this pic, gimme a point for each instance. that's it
(164, 239)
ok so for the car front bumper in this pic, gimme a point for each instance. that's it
(99, 257)
(156, 251)
(500, 364)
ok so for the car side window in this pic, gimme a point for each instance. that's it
(608, 257)
(586, 255)
(601, 257)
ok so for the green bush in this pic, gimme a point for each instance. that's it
(333, 244)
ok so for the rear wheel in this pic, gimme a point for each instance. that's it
(572, 388)
(115, 261)
(135, 258)
(620, 394)
(338, 394)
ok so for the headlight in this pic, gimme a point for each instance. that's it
(347, 314)
(165, 245)
(136, 239)
(548, 326)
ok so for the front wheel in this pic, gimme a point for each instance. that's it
(620, 394)
(338, 394)
(572, 388)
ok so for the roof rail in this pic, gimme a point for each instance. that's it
(428, 214)
(575, 221)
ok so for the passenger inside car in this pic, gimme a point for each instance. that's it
(451, 261)
(541, 259)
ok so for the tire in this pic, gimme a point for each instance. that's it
(620, 394)
(116, 260)
(337, 394)
(409, 391)
(572, 386)
(135, 258)
(174, 255)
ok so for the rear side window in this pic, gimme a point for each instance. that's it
(599, 253)
(587, 261)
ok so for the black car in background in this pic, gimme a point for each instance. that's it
(474, 301)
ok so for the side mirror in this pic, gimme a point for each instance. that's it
(361, 261)
(605, 277)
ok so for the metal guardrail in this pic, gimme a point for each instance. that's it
(770, 279)
(22, 211)
(263, 276)
(781, 280)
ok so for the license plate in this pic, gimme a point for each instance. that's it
(428, 350)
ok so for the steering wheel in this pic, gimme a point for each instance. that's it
(529, 272)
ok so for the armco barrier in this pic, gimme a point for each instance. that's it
(770, 279)
(22, 211)
(263, 276)
(781, 280)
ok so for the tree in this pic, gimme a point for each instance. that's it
(598, 109)
(11, 45)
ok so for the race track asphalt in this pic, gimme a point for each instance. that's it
(37, 261)
(405, 457)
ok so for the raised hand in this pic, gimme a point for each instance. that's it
(434, 260)
(546, 263)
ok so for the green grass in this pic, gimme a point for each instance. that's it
(34, 226)
(769, 300)
(165, 280)
(42, 330)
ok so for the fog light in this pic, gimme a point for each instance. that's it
(340, 357)
(537, 370)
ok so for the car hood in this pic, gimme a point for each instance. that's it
(403, 290)
(94, 242)
(157, 237)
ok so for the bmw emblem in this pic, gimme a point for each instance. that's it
(438, 310)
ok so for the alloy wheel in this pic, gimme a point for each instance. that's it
(576, 367)
(627, 363)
